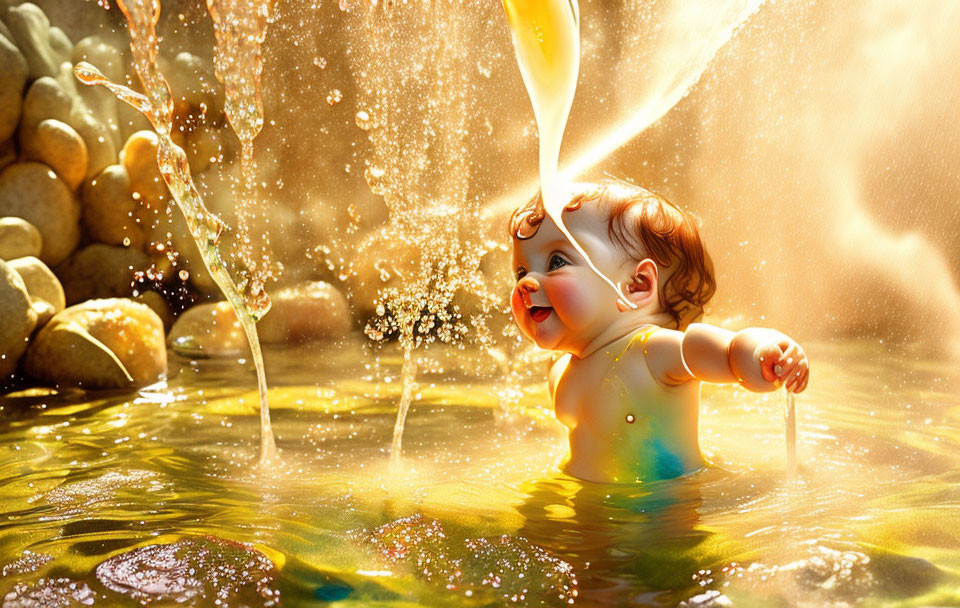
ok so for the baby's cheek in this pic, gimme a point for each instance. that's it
(568, 298)
(519, 312)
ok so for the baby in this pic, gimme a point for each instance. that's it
(628, 388)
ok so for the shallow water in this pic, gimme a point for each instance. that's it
(478, 514)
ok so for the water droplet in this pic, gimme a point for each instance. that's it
(363, 120)
(630, 419)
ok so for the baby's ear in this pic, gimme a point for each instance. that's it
(644, 287)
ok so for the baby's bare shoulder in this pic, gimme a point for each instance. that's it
(662, 353)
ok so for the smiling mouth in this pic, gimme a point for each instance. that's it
(540, 313)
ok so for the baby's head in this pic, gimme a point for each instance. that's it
(638, 239)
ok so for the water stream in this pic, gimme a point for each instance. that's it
(248, 298)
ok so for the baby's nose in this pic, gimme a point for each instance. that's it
(526, 286)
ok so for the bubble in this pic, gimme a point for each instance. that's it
(363, 120)
(334, 97)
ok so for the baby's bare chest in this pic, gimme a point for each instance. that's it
(610, 396)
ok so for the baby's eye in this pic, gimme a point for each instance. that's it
(556, 261)
(521, 272)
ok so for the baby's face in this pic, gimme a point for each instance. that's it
(559, 302)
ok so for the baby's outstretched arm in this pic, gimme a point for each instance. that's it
(759, 359)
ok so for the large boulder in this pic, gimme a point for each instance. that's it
(18, 238)
(13, 77)
(46, 293)
(111, 343)
(33, 192)
(100, 271)
(17, 319)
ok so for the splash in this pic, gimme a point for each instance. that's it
(546, 37)
(240, 27)
(247, 298)
(425, 259)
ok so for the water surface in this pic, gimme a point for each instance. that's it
(479, 514)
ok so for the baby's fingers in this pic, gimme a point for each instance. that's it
(798, 378)
(788, 362)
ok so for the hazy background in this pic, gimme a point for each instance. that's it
(818, 142)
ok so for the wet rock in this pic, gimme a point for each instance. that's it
(111, 343)
(207, 570)
(307, 312)
(310, 311)
(58, 146)
(100, 271)
(505, 567)
(46, 293)
(13, 77)
(111, 215)
(18, 319)
(18, 238)
(33, 192)
(44, 47)
(50, 593)
(208, 330)
(139, 158)
(159, 305)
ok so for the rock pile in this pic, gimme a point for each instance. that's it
(88, 238)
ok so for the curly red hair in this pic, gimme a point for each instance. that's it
(644, 225)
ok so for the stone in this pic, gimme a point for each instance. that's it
(8, 154)
(196, 88)
(139, 158)
(19, 320)
(13, 77)
(111, 215)
(204, 148)
(33, 192)
(43, 287)
(208, 330)
(308, 312)
(44, 47)
(190, 570)
(57, 145)
(45, 99)
(18, 238)
(100, 271)
(48, 98)
(108, 58)
(99, 344)
(157, 304)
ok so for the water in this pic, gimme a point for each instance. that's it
(248, 299)
(870, 521)
(546, 36)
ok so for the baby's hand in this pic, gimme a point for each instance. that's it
(784, 362)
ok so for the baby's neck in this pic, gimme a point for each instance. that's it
(626, 324)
